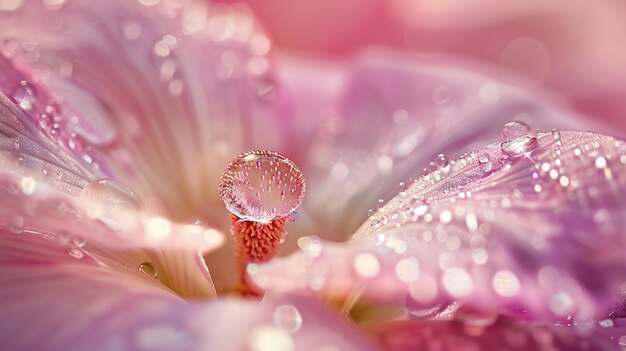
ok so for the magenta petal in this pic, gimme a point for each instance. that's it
(537, 233)
(500, 334)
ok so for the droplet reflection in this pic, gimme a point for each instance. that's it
(261, 186)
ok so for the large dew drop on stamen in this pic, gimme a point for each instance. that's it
(261, 186)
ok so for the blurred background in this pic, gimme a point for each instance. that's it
(574, 48)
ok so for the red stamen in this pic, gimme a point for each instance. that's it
(255, 243)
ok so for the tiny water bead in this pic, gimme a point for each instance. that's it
(517, 138)
(112, 197)
(261, 186)
(150, 269)
(25, 95)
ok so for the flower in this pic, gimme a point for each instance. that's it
(101, 101)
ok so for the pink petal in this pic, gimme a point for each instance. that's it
(38, 208)
(36, 134)
(379, 119)
(166, 93)
(45, 141)
(499, 334)
(124, 242)
(51, 301)
(537, 234)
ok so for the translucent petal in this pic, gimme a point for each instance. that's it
(42, 214)
(165, 91)
(538, 234)
(36, 135)
(382, 118)
(53, 301)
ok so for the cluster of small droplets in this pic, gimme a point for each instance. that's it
(515, 139)
(43, 113)
(18, 224)
(229, 26)
(438, 167)
(261, 186)
(556, 163)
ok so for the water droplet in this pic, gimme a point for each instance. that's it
(25, 95)
(150, 269)
(17, 224)
(109, 197)
(622, 342)
(79, 241)
(442, 160)
(442, 94)
(245, 189)
(265, 89)
(287, 318)
(476, 318)
(76, 253)
(517, 138)
(484, 161)
(419, 310)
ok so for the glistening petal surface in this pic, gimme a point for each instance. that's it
(499, 334)
(381, 118)
(163, 92)
(538, 234)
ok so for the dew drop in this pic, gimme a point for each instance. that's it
(79, 241)
(76, 253)
(150, 269)
(25, 95)
(111, 196)
(475, 318)
(442, 94)
(517, 138)
(622, 342)
(265, 90)
(245, 189)
(442, 160)
(17, 225)
(418, 310)
(287, 318)
(485, 163)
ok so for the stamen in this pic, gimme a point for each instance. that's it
(255, 243)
